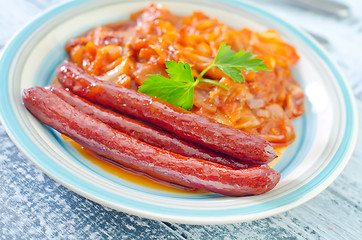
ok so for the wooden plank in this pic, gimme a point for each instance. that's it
(11, 20)
(32, 206)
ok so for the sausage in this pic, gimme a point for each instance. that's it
(135, 154)
(187, 125)
(148, 134)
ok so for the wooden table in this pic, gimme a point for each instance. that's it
(33, 206)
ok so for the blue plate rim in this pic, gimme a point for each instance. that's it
(305, 193)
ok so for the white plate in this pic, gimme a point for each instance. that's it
(326, 134)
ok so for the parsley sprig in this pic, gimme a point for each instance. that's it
(179, 88)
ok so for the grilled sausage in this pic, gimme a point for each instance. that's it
(132, 153)
(148, 134)
(187, 125)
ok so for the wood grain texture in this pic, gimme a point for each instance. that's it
(33, 206)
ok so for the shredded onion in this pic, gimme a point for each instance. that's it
(126, 52)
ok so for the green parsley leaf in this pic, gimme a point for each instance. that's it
(180, 72)
(179, 88)
(231, 62)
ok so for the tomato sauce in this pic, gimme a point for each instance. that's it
(126, 52)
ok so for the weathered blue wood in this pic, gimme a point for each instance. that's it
(33, 206)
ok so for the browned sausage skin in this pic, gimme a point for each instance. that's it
(187, 125)
(148, 134)
(159, 163)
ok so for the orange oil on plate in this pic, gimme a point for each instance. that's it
(128, 174)
(279, 151)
